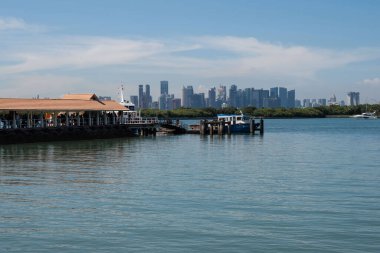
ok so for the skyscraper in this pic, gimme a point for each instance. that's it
(233, 95)
(212, 97)
(148, 97)
(141, 96)
(187, 94)
(273, 92)
(164, 87)
(283, 95)
(291, 99)
(353, 98)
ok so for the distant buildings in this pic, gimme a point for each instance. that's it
(353, 98)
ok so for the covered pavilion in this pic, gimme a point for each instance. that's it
(71, 110)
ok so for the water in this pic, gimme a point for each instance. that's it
(307, 185)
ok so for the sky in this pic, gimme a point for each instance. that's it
(317, 47)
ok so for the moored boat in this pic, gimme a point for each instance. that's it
(239, 123)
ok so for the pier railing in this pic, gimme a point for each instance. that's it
(76, 121)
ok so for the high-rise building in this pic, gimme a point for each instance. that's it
(283, 95)
(176, 103)
(233, 96)
(141, 96)
(258, 97)
(198, 100)
(353, 98)
(164, 87)
(291, 99)
(273, 92)
(135, 100)
(187, 94)
(212, 98)
(148, 97)
(222, 94)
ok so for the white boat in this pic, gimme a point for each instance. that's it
(365, 115)
(238, 122)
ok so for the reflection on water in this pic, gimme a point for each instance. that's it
(306, 185)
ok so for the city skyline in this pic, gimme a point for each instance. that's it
(219, 97)
(317, 48)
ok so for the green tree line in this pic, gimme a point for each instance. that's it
(316, 112)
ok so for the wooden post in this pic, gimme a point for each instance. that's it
(220, 128)
(201, 127)
(42, 119)
(67, 119)
(211, 129)
(78, 119)
(55, 119)
(28, 120)
(89, 119)
(105, 118)
(97, 119)
(229, 128)
(14, 120)
(252, 126)
(261, 126)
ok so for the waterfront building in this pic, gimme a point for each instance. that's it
(353, 98)
(71, 110)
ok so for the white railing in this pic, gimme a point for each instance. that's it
(140, 121)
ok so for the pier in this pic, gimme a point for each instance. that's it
(215, 127)
(75, 116)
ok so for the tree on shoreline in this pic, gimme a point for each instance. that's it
(315, 112)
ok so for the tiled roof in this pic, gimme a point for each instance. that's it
(46, 105)
(84, 96)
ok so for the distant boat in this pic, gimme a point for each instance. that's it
(365, 115)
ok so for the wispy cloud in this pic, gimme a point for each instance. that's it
(236, 56)
(12, 24)
(371, 82)
(62, 59)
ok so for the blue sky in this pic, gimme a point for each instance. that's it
(51, 47)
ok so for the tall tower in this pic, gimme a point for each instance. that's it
(141, 96)
(283, 95)
(164, 87)
(233, 95)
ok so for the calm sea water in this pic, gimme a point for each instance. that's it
(307, 185)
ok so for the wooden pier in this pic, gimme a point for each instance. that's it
(215, 127)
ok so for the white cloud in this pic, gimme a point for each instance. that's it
(371, 81)
(12, 23)
(215, 58)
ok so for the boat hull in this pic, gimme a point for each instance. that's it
(240, 128)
